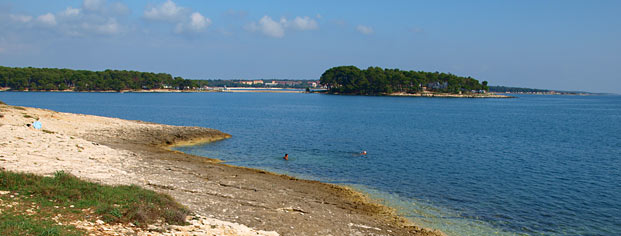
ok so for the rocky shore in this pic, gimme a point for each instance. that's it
(115, 151)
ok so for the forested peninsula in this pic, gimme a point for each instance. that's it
(52, 79)
(378, 81)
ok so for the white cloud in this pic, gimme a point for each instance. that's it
(181, 16)
(365, 29)
(101, 19)
(276, 29)
(304, 23)
(93, 5)
(167, 11)
(196, 23)
(47, 19)
(269, 27)
(21, 18)
(110, 27)
(70, 11)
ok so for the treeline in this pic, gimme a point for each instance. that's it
(47, 79)
(375, 80)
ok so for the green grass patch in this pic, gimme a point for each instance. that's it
(11, 224)
(114, 204)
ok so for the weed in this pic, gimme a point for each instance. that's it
(28, 116)
(122, 204)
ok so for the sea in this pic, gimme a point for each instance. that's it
(530, 165)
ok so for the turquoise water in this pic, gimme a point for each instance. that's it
(533, 165)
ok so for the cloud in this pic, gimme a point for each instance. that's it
(197, 23)
(268, 27)
(95, 17)
(365, 29)
(47, 19)
(167, 11)
(276, 29)
(184, 18)
(304, 23)
(70, 11)
(20, 18)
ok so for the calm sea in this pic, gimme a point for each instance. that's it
(532, 165)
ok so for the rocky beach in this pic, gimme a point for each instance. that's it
(233, 200)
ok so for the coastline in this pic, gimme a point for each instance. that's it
(450, 95)
(137, 152)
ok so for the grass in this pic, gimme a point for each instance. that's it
(26, 225)
(28, 116)
(67, 195)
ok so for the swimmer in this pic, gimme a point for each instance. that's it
(363, 153)
(286, 157)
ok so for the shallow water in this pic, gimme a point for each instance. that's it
(532, 165)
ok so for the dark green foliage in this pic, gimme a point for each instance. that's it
(375, 80)
(46, 79)
(113, 203)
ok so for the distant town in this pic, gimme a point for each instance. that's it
(299, 84)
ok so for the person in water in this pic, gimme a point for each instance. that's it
(286, 157)
(363, 153)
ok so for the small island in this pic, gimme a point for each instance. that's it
(394, 82)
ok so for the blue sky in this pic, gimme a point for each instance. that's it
(566, 45)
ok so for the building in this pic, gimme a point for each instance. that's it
(313, 84)
(251, 82)
(437, 85)
(273, 83)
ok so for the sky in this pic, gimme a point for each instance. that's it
(561, 45)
